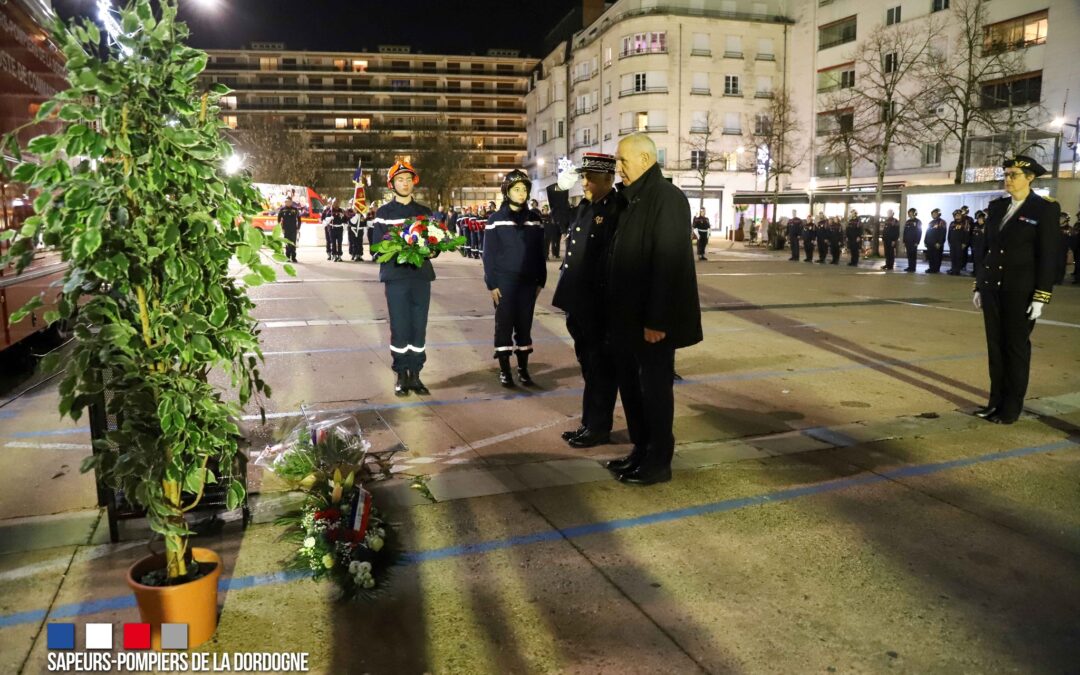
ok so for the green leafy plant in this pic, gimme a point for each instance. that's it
(134, 196)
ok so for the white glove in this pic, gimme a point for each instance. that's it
(977, 300)
(567, 179)
(1035, 311)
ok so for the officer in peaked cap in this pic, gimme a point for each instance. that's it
(1014, 283)
(580, 292)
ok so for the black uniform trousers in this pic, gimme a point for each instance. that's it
(794, 248)
(978, 252)
(912, 254)
(336, 235)
(329, 240)
(1008, 346)
(823, 247)
(356, 242)
(853, 250)
(290, 242)
(956, 257)
(646, 376)
(808, 246)
(890, 253)
(702, 242)
(598, 371)
(408, 301)
(934, 256)
(834, 250)
(514, 318)
(552, 239)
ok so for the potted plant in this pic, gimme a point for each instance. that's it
(135, 196)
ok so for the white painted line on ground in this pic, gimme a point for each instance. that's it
(48, 446)
(1048, 322)
(510, 435)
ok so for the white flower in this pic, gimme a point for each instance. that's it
(363, 568)
(309, 542)
(369, 582)
(375, 543)
(328, 561)
(354, 566)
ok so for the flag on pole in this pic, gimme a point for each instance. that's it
(359, 196)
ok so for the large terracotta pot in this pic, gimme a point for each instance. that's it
(193, 603)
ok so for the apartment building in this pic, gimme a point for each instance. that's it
(340, 98)
(1041, 33)
(660, 67)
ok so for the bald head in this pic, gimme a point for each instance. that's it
(636, 155)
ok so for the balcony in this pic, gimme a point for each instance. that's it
(643, 52)
(733, 92)
(700, 91)
(371, 70)
(316, 107)
(578, 112)
(699, 130)
(700, 52)
(732, 131)
(647, 130)
(300, 87)
(583, 78)
(765, 57)
(642, 90)
(733, 55)
(584, 144)
(763, 94)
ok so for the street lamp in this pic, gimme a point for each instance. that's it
(1059, 123)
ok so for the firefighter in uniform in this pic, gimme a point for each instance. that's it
(822, 232)
(853, 232)
(978, 241)
(408, 288)
(912, 235)
(515, 271)
(580, 292)
(891, 237)
(935, 240)
(958, 241)
(794, 231)
(809, 236)
(288, 217)
(1014, 284)
(700, 232)
(355, 226)
(836, 239)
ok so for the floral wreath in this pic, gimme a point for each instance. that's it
(416, 240)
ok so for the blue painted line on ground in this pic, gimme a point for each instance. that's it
(578, 531)
(49, 432)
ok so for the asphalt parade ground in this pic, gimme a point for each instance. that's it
(835, 507)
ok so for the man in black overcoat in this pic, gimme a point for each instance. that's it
(1014, 284)
(652, 307)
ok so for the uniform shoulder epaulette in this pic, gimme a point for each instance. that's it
(1049, 199)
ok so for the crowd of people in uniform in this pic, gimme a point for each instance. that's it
(964, 237)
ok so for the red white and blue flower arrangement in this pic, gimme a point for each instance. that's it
(338, 533)
(415, 240)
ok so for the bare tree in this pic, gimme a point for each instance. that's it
(957, 111)
(889, 101)
(276, 154)
(836, 135)
(775, 130)
(700, 145)
(445, 159)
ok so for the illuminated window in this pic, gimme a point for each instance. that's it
(341, 123)
(361, 123)
(359, 66)
(230, 121)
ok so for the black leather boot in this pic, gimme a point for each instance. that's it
(416, 385)
(401, 387)
(523, 369)
(505, 378)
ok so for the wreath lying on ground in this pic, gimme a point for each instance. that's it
(338, 533)
(416, 240)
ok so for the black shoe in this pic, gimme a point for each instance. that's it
(886, 267)
(643, 476)
(401, 387)
(909, 269)
(329, 257)
(853, 264)
(567, 435)
(986, 411)
(416, 385)
(623, 465)
(506, 379)
(526, 379)
(589, 439)
(996, 418)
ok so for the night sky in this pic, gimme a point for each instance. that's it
(432, 26)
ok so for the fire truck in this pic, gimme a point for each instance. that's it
(304, 198)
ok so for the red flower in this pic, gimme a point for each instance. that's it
(328, 514)
(433, 240)
(332, 535)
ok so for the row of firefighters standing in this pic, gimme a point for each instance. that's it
(471, 223)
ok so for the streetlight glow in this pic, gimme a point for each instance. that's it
(233, 164)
